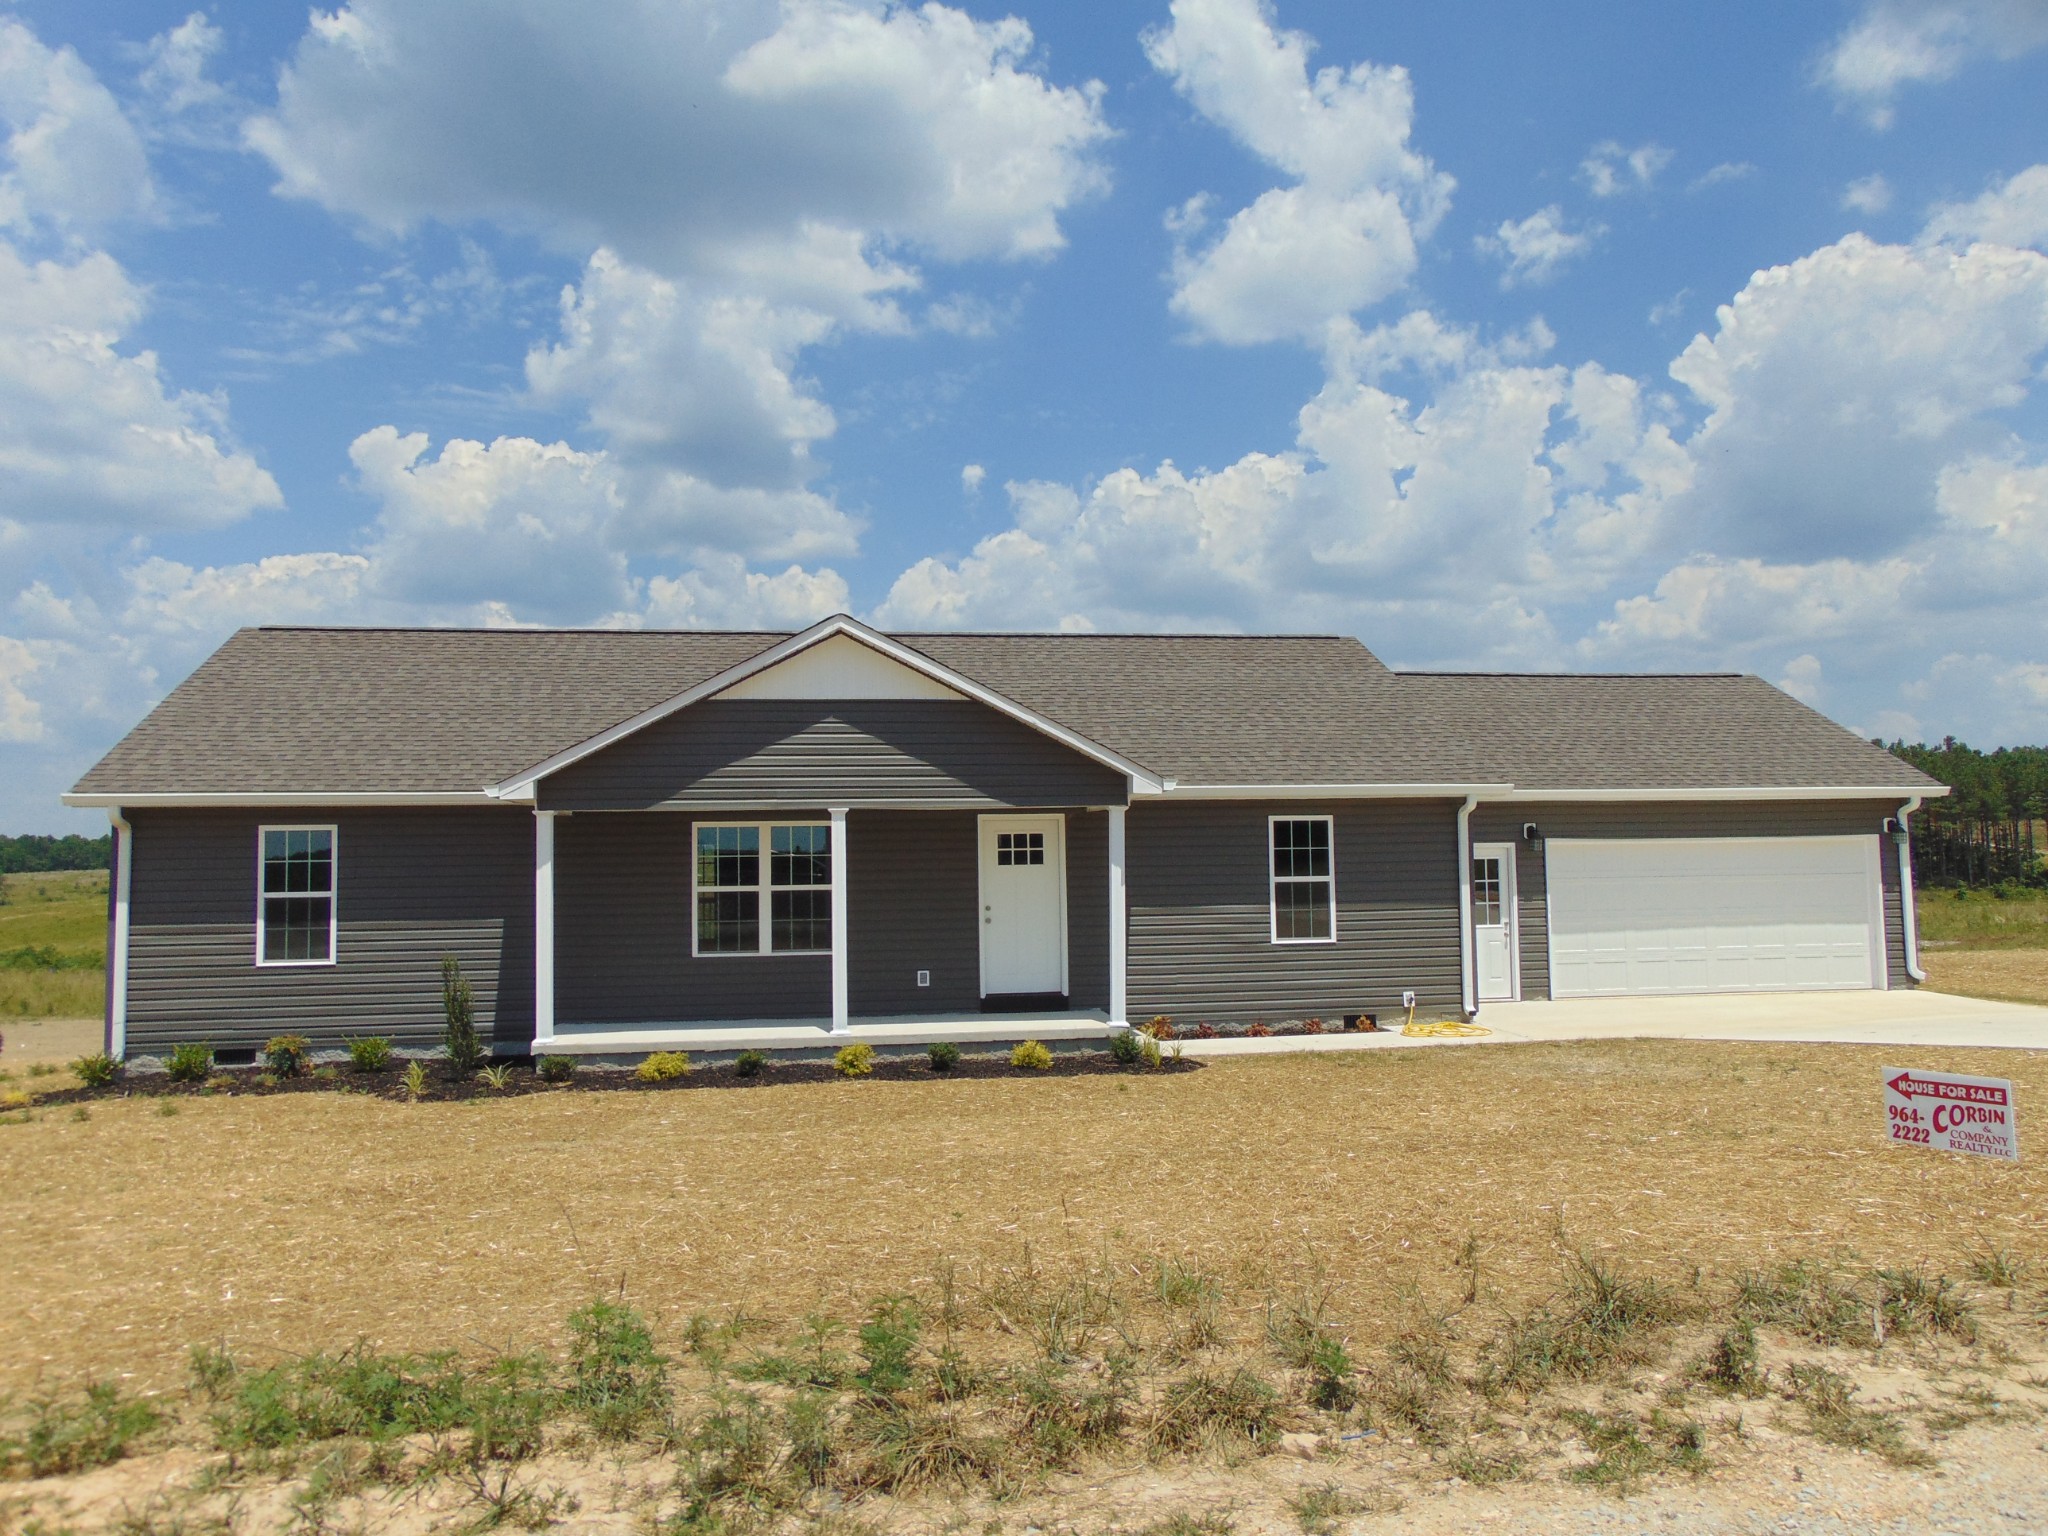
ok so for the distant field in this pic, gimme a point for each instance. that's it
(1979, 944)
(65, 914)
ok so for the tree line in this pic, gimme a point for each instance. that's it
(2009, 784)
(34, 854)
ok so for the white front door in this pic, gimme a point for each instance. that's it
(1023, 905)
(1493, 921)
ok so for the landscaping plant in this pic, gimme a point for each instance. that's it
(286, 1055)
(189, 1063)
(97, 1070)
(749, 1064)
(1124, 1048)
(663, 1067)
(458, 1004)
(855, 1060)
(370, 1054)
(1030, 1056)
(944, 1055)
(556, 1069)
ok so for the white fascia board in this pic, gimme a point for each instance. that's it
(308, 797)
(1757, 792)
(1336, 791)
(1142, 779)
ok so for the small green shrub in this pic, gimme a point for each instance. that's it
(1030, 1056)
(888, 1339)
(75, 1435)
(99, 1070)
(944, 1055)
(323, 1397)
(1124, 1049)
(286, 1054)
(749, 1063)
(189, 1063)
(663, 1067)
(556, 1069)
(619, 1380)
(497, 1078)
(371, 1054)
(855, 1060)
(465, 1049)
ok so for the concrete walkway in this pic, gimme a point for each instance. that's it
(1905, 1018)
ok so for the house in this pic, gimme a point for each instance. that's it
(640, 840)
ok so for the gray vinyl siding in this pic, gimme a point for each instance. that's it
(1894, 927)
(1200, 915)
(793, 752)
(411, 886)
(1674, 818)
(913, 898)
(622, 934)
(1088, 909)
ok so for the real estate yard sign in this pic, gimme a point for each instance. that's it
(1951, 1113)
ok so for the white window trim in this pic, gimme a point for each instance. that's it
(1275, 881)
(761, 887)
(333, 893)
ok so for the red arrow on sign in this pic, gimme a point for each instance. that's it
(1908, 1086)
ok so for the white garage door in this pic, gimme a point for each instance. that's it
(1713, 914)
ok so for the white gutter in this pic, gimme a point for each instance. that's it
(1179, 791)
(1909, 921)
(305, 797)
(117, 956)
(1751, 792)
(1465, 987)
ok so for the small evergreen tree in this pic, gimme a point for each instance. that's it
(465, 1050)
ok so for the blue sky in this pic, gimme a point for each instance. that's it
(1577, 336)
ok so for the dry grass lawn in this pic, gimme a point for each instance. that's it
(2007, 975)
(311, 1221)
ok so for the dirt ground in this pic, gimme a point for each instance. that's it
(24, 1042)
(314, 1221)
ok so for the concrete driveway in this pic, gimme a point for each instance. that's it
(1917, 1017)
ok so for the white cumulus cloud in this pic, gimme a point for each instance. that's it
(1868, 194)
(1903, 42)
(1612, 168)
(1534, 250)
(1343, 235)
(2015, 213)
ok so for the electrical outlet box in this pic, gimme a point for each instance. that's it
(1407, 999)
(924, 978)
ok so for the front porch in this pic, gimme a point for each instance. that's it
(885, 925)
(888, 1034)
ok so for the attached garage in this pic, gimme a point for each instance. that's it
(1650, 916)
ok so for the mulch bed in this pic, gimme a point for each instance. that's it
(443, 1087)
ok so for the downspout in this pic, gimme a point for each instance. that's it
(1909, 922)
(1465, 986)
(117, 950)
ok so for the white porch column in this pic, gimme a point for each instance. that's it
(543, 928)
(1119, 934)
(840, 1010)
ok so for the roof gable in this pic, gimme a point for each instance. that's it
(839, 625)
(839, 667)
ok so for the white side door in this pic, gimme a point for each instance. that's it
(1494, 939)
(1023, 905)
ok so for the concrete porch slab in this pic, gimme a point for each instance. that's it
(903, 1031)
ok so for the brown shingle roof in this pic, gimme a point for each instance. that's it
(318, 711)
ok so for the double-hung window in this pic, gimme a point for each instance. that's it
(295, 919)
(764, 889)
(1304, 883)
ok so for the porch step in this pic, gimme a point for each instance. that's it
(814, 1036)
